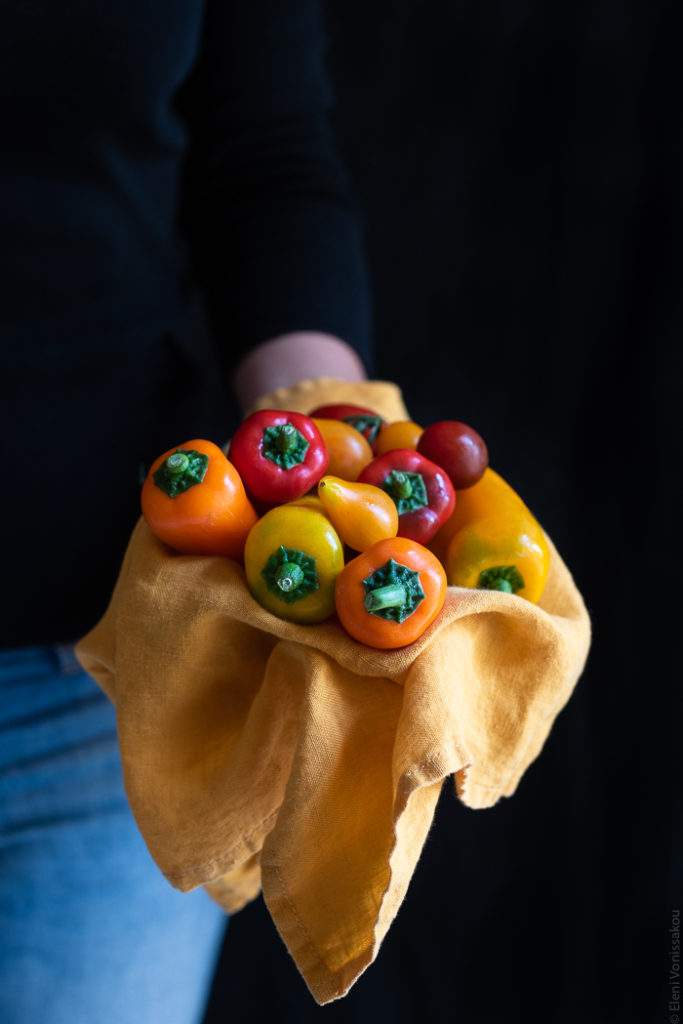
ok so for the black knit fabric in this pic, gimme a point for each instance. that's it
(170, 195)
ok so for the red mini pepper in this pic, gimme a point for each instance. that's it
(366, 421)
(423, 493)
(279, 455)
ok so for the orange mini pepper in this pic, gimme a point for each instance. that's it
(193, 499)
(388, 595)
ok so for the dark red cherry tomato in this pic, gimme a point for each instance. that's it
(458, 449)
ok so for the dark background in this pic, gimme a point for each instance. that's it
(519, 170)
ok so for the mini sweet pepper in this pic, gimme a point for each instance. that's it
(423, 493)
(279, 455)
(493, 541)
(193, 500)
(388, 595)
(292, 558)
(365, 421)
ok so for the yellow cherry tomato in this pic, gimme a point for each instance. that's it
(292, 558)
(361, 514)
(349, 452)
(401, 434)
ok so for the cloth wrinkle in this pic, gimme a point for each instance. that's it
(295, 914)
(319, 760)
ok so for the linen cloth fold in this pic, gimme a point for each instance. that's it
(262, 754)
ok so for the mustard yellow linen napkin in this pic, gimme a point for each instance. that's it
(258, 753)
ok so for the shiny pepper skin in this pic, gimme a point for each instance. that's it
(292, 558)
(493, 541)
(388, 595)
(365, 421)
(423, 493)
(207, 516)
(279, 455)
(360, 513)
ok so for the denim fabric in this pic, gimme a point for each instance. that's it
(90, 931)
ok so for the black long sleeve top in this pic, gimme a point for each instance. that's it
(170, 195)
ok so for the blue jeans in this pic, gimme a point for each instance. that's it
(90, 931)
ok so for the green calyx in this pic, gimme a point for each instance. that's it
(393, 591)
(180, 471)
(506, 578)
(290, 574)
(369, 426)
(407, 489)
(284, 445)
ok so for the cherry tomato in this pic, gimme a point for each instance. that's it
(348, 451)
(401, 434)
(458, 449)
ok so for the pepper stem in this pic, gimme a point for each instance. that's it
(177, 462)
(182, 469)
(400, 486)
(289, 576)
(286, 438)
(505, 578)
(284, 445)
(393, 591)
(391, 596)
(407, 490)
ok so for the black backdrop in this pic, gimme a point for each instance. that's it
(520, 174)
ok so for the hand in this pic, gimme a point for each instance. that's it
(289, 358)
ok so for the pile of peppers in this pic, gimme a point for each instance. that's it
(341, 514)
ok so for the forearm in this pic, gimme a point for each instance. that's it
(289, 358)
(274, 232)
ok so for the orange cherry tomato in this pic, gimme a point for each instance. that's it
(349, 452)
(193, 499)
(360, 513)
(401, 434)
(388, 595)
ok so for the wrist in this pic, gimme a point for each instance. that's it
(289, 358)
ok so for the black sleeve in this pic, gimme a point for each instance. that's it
(275, 237)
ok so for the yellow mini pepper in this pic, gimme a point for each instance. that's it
(492, 541)
(361, 514)
(292, 558)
